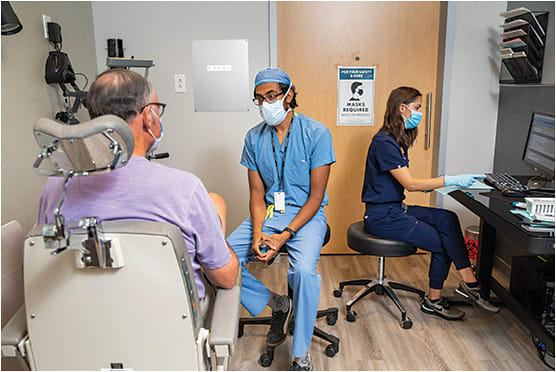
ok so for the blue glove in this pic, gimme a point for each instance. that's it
(462, 180)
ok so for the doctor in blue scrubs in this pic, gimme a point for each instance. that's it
(436, 230)
(288, 157)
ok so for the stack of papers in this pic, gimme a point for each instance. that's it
(477, 185)
(531, 219)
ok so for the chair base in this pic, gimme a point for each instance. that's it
(332, 348)
(380, 287)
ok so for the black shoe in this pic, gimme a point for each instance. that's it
(441, 308)
(474, 294)
(306, 364)
(279, 325)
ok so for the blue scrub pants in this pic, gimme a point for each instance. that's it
(303, 253)
(432, 229)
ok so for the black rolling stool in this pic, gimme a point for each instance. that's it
(361, 241)
(331, 315)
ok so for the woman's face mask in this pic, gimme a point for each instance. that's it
(156, 143)
(274, 113)
(413, 120)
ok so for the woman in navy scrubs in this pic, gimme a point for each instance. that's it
(436, 230)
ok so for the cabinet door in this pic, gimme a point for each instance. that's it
(402, 40)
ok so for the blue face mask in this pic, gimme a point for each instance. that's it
(156, 143)
(413, 120)
(274, 113)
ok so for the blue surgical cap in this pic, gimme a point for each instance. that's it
(272, 75)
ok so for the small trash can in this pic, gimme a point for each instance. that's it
(472, 244)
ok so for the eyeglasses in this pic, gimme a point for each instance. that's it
(161, 107)
(270, 98)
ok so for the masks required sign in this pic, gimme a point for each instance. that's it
(356, 95)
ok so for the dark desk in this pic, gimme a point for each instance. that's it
(494, 211)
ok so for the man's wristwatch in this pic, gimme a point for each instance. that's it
(291, 231)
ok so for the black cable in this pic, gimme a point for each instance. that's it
(542, 350)
(86, 80)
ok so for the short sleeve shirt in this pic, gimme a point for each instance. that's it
(384, 155)
(309, 146)
(146, 191)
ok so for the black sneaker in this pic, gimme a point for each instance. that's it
(441, 308)
(475, 295)
(306, 364)
(279, 325)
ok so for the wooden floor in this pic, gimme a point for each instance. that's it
(376, 341)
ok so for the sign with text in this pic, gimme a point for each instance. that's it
(356, 95)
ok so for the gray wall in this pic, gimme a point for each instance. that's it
(26, 96)
(470, 94)
(205, 144)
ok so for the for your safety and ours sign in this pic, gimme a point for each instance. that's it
(356, 95)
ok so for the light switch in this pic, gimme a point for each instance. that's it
(45, 20)
(179, 83)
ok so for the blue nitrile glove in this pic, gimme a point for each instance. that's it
(462, 180)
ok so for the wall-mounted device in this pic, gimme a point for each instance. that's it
(58, 70)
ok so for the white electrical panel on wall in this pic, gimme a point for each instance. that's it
(220, 75)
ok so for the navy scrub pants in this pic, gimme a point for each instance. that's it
(432, 229)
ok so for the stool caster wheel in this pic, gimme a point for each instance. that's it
(331, 319)
(337, 293)
(407, 323)
(350, 317)
(265, 360)
(331, 350)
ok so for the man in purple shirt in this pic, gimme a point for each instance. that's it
(143, 190)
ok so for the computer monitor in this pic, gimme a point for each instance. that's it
(539, 150)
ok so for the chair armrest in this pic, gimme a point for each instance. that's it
(225, 316)
(14, 332)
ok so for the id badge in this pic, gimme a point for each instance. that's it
(280, 201)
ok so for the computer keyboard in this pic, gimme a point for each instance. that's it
(508, 185)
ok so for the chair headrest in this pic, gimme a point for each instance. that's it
(93, 147)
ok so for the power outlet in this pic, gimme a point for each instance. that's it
(45, 20)
(179, 83)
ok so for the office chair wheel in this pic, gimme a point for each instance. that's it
(350, 317)
(331, 319)
(265, 360)
(337, 293)
(407, 323)
(331, 350)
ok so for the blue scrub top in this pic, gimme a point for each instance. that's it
(309, 147)
(384, 155)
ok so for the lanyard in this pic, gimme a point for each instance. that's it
(280, 178)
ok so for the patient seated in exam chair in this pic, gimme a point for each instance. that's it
(157, 237)
(145, 190)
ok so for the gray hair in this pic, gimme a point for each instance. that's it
(119, 92)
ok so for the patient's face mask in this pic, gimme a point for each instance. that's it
(274, 113)
(413, 120)
(156, 143)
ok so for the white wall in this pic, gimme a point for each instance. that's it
(470, 94)
(206, 144)
(26, 96)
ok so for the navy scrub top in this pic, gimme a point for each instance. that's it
(379, 185)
